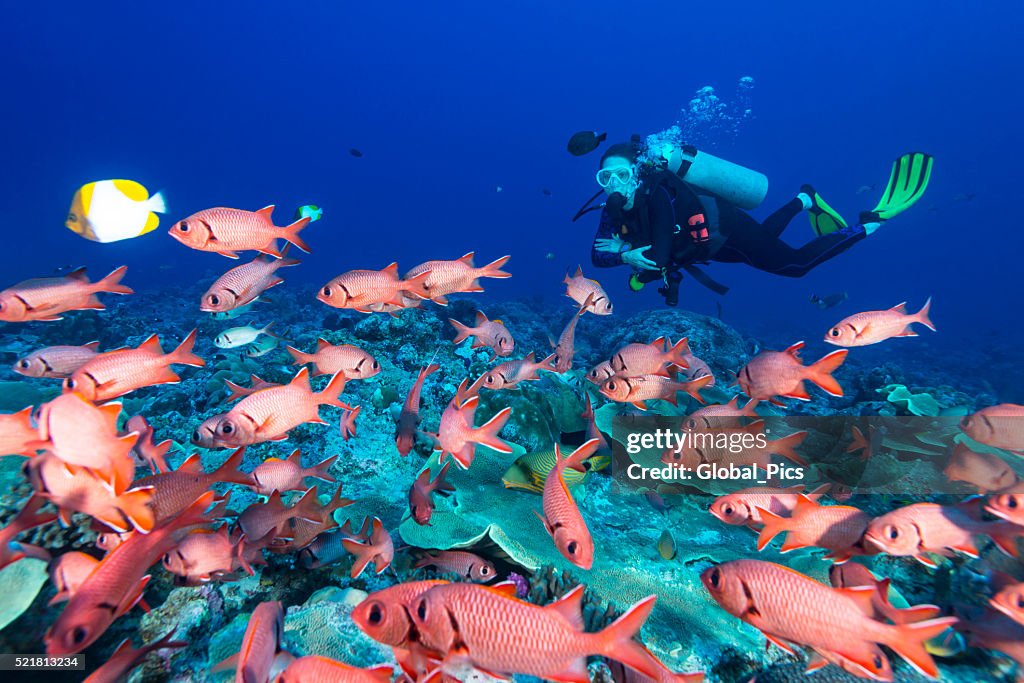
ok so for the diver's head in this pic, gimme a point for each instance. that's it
(617, 174)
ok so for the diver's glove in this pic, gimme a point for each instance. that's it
(614, 244)
(636, 258)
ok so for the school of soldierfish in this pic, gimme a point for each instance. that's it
(79, 461)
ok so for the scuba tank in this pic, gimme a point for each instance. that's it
(734, 183)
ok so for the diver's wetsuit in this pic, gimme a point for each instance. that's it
(665, 216)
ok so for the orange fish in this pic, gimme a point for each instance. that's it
(205, 555)
(509, 374)
(600, 372)
(46, 298)
(999, 426)
(125, 658)
(780, 373)
(27, 518)
(274, 474)
(789, 607)
(205, 435)
(228, 231)
(174, 491)
(579, 288)
(68, 572)
(1010, 601)
(1008, 506)
(744, 506)
(456, 435)
(421, 504)
(385, 614)
(633, 360)
(17, 434)
(347, 423)
(317, 669)
(723, 415)
(450, 277)
(871, 327)
(914, 530)
(146, 451)
(259, 520)
(349, 360)
(242, 284)
(490, 333)
(79, 433)
(269, 414)
(302, 532)
(261, 652)
(498, 632)
(361, 289)
(78, 489)
(565, 347)
(986, 471)
(836, 528)
(562, 517)
(467, 565)
(592, 432)
(238, 391)
(853, 575)
(117, 583)
(637, 390)
(116, 373)
(409, 418)
(376, 546)
(696, 368)
(56, 362)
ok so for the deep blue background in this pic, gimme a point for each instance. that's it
(248, 104)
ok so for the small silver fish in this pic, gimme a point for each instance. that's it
(239, 336)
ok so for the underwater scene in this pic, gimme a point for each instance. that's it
(579, 342)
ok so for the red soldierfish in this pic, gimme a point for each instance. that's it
(47, 297)
(146, 451)
(228, 231)
(450, 277)
(116, 373)
(274, 474)
(243, 284)
(836, 528)
(565, 347)
(488, 333)
(125, 658)
(204, 555)
(1000, 426)
(600, 372)
(579, 288)
(985, 471)
(780, 373)
(174, 491)
(238, 391)
(384, 614)
(456, 435)
(871, 327)
(317, 669)
(467, 565)
(347, 423)
(633, 360)
(349, 360)
(509, 374)
(562, 517)
(258, 520)
(421, 504)
(364, 289)
(724, 415)
(375, 546)
(409, 418)
(592, 432)
(790, 608)
(260, 657)
(1008, 506)
(744, 506)
(56, 362)
(269, 414)
(638, 390)
(118, 581)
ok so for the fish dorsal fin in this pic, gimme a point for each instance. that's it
(193, 465)
(467, 259)
(863, 596)
(111, 411)
(900, 308)
(296, 457)
(301, 380)
(391, 270)
(78, 274)
(92, 346)
(152, 344)
(530, 358)
(570, 607)
(321, 344)
(505, 588)
(480, 318)
(794, 350)
(254, 380)
(579, 271)
(804, 505)
(266, 212)
(733, 403)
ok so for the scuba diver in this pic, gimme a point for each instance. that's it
(687, 207)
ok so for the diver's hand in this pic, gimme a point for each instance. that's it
(613, 244)
(636, 258)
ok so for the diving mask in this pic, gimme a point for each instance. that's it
(621, 175)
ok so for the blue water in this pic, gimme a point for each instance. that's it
(244, 105)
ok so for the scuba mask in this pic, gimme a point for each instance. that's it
(619, 180)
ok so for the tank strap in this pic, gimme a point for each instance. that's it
(703, 278)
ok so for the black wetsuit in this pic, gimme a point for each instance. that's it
(672, 218)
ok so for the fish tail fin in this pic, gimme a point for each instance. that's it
(487, 433)
(321, 470)
(290, 233)
(575, 460)
(308, 507)
(183, 354)
(329, 396)
(238, 551)
(786, 447)
(693, 387)
(134, 505)
(493, 269)
(157, 203)
(922, 315)
(231, 471)
(112, 283)
(773, 526)
(347, 424)
(462, 332)
(1005, 537)
(909, 643)
(676, 354)
(617, 640)
(363, 553)
(299, 357)
(821, 372)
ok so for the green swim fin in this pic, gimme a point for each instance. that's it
(824, 219)
(907, 183)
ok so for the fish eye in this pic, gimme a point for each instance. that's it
(214, 299)
(1011, 502)
(70, 383)
(183, 227)
(326, 291)
(227, 428)
(728, 510)
(421, 609)
(489, 380)
(376, 615)
(375, 365)
(484, 571)
(834, 332)
(72, 217)
(572, 547)
(877, 661)
(715, 577)
(1020, 601)
(79, 634)
(196, 436)
(23, 363)
(893, 533)
(611, 386)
